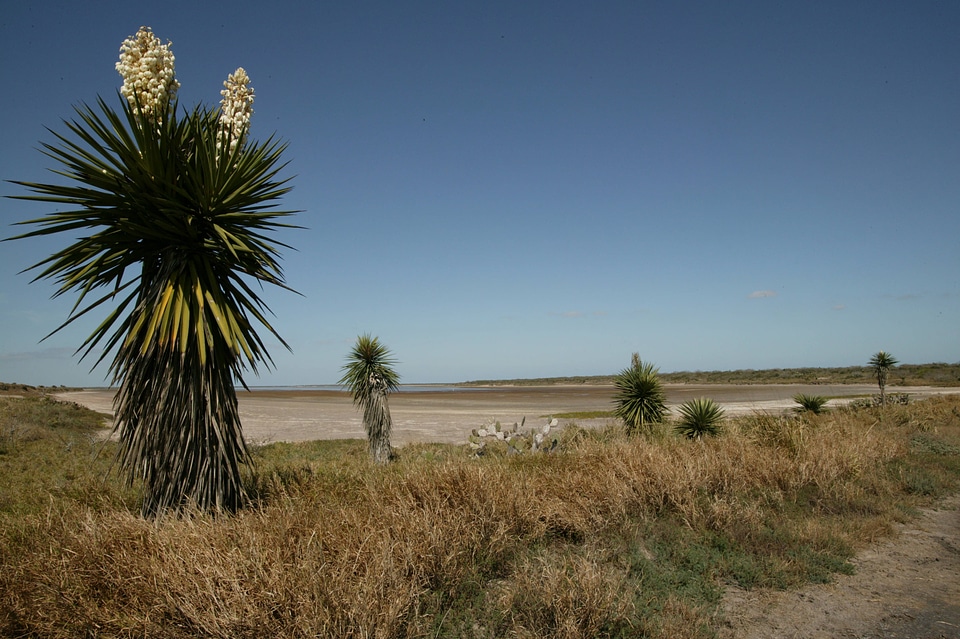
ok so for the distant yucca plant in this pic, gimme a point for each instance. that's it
(881, 363)
(370, 377)
(172, 211)
(640, 399)
(699, 418)
(810, 403)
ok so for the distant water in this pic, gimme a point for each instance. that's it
(404, 388)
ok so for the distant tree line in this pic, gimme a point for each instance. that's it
(934, 374)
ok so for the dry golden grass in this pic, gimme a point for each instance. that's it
(609, 536)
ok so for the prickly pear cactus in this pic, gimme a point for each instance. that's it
(518, 440)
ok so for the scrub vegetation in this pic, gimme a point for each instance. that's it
(935, 374)
(608, 535)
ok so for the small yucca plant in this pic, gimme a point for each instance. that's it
(699, 418)
(640, 399)
(369, 376)
(810, 403)
(881, 363)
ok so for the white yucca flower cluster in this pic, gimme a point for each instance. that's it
(146, 66)
(236, 107)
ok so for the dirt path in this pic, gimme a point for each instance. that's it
(906, 587)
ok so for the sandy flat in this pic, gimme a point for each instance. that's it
(449, 415)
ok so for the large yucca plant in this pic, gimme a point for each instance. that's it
(370, 377)
(172, 210)
(640, 398)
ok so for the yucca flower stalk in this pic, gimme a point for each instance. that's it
(173, 239)
(236, 108)
(147, 68)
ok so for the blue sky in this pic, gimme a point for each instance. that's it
(504, 189)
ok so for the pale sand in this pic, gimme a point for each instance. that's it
(449, 416)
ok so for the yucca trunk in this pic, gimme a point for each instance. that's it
(176, 410)
(180, 434)
(376, 418)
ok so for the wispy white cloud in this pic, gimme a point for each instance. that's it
(903, 297)
(47, 353)
(578, 314)
(761, 294)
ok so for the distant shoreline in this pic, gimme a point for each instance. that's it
(449, 416)
(932, 374)
(936, 374)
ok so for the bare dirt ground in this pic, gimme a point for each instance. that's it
(905, 587)
(449, 415)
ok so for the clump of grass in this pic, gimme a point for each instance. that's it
(610, 535)
(53, 451)
(564, 594)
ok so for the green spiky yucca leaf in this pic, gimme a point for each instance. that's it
(162, 196)
(174, 237)
(368, 363)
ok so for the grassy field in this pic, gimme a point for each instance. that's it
(936, 374)
(607, 536)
